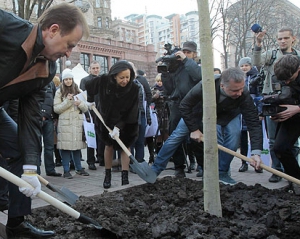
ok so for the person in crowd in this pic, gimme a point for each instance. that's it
(57, 155)
(162, 111)
(217, 71)
(48, 130)
(285, 40)
(177, 83)
(118, 106)
(29, 65)
(232, 100)
(287, 70)
(138, 148)
(69, 129)
(91, 160)
(252, 78)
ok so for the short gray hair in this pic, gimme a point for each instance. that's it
(232, 73)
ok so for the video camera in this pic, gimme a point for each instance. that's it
(256, 84)
(169, 60)
(285, 96)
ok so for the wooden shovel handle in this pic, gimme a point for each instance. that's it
(271, 170)
(42, 180)
(46, 197)
(125, 149)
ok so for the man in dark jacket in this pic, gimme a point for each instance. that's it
(94, 71)
(177, 84)
(27, 66)
(232, 100)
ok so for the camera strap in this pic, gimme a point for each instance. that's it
(273, 57)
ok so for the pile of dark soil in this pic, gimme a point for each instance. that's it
(173, 208)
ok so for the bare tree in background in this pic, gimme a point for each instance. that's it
(237, 17)
(26, 8)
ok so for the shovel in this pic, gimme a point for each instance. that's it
(142, 169)
(51, 200)
(271, 170)
(65, 194)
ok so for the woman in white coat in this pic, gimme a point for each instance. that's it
(69, 129)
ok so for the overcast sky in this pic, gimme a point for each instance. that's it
(123, 8)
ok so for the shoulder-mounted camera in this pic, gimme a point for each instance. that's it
(169, 61)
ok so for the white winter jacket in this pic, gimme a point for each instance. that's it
(70, 120)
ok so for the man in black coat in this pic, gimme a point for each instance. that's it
(232, 99)
(94, 72)
(177, 83)
(27, 65)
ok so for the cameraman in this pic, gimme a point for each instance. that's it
(285, 40)
(287, 71)
(177, 84)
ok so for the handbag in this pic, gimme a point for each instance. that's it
(152, 130)
(89, 132)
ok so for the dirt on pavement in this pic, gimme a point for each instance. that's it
(173, 208)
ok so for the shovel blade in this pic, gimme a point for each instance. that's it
(67, 196)
(143, 170)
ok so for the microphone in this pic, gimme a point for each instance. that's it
(256, 28)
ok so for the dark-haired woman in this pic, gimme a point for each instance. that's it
(118, 105)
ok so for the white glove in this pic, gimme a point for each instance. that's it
(30, 176)
(115, 132)
(90, 105)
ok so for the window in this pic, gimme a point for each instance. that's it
(99, 20)
(103, 63)
(85, 61)
(105, 4)
(107, 22)
(98, 3)
(114, 60)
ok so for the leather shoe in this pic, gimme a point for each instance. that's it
(274, 178)
(25, 229)
(54, 174)
(92, 166)
(243, 168)
(179, 173)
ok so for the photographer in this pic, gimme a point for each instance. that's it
(288, 129)
(177, 84)
(285, 40)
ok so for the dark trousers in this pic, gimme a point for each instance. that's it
(287, 134)
(19, 204)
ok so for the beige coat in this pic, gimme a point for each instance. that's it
(70, 120)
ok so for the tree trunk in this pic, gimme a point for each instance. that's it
(212, 201)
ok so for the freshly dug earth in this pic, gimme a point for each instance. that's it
(173, 208)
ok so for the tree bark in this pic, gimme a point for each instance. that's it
(211, 188)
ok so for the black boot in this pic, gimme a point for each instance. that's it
(125, 177)
(244, 166)
(107, 179)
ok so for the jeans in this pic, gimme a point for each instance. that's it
(178, 136)
(138, 149)
(271, 129)
(229, 137)
(67, 156)
(48, 135)
(19, 204)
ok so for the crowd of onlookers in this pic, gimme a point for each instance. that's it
(167, 117)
